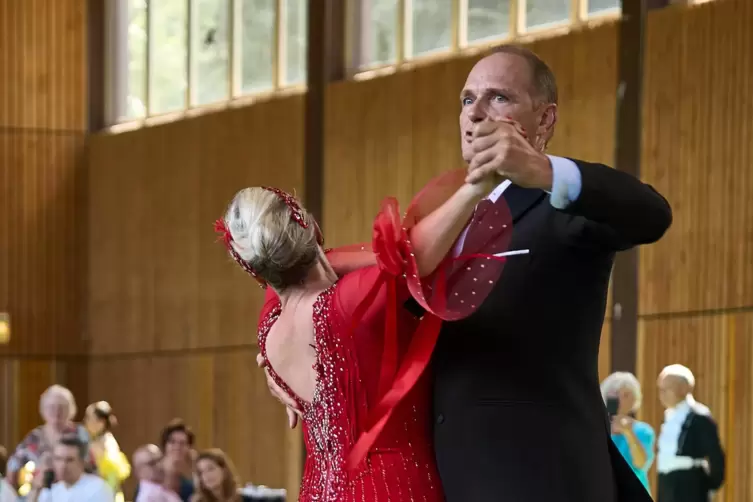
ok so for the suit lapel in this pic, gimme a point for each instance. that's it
(520, 200)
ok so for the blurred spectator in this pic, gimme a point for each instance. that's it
(112, 464)
(216, 478)
(148, 468)
(74, 484)
(690, 459)
(177, 443)
(7, 492)
(216, 481)
(57, 407)
(177, 440)
(633, 438)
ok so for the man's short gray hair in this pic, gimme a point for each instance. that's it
(679, 371)
(619, 380)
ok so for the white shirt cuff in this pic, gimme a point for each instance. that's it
(566, 182)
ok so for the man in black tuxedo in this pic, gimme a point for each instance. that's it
(690, 460)
(519, 415)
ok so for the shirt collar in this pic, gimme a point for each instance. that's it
(680, 409)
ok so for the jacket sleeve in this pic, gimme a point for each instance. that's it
(712, 450)
(618, 210)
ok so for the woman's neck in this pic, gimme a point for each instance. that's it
(53, 431)
(218, 495)
(320, 277)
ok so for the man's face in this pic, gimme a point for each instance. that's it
(672, 390)
(498, 87)
(67, 463)
(147, 467)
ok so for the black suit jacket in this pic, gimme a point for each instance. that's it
(699, 439)
(517, 406)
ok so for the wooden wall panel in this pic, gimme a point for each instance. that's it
(221, 394)
(43, 64)
(696, 284)
(42, 190)
(171, 318)
(40, 254)
(158, 280)
(697, 151)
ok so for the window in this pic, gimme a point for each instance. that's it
(389, 32)
(542, 13)
(171, 55)
(375, 22)
(430, 27)
(488, 19)
(600, 6)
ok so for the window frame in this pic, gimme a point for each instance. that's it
(460, 45)
(116, 70)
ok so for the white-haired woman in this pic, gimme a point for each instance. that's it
(634, 439)
(33, 455)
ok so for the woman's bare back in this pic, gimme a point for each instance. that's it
(290, 346)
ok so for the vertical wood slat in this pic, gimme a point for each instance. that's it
(42, 65)
(698, 156)
(43, 95)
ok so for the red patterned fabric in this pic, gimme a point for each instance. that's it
(368, 428)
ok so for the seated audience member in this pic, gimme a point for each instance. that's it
(217, 481)
(147, 465)
(57, 407)
(74, 483)
(633, 438)
(216, 478)
(177, 441)
(112, 464)
(177, 445)
(690, 460)
(7, 492)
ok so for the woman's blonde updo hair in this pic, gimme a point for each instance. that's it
(266, 236)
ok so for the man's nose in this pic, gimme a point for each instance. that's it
(477, 112)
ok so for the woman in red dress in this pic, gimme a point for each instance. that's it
(345, 348)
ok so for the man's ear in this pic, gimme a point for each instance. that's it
(545, 129)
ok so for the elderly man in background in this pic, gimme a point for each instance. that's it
(690, 460)
(147, 465)
(635, 439)
(74, 483)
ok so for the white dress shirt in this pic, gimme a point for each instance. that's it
(7, 493)
(667, 459)
(88, 488)
(153, 492)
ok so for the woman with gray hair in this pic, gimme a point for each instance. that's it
(33, 456)
(635, 439)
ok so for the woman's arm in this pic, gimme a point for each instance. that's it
(637, 451)
(344, 262)
(433, 236)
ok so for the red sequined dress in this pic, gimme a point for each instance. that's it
(367, 429)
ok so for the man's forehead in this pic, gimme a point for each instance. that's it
(499, 70)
